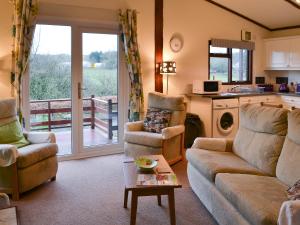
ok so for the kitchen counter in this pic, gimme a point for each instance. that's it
(237, 95)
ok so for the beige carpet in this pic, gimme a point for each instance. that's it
(90, 192)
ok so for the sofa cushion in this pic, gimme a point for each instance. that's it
(210, 163)
(144, 138)
(261, 150)
(34, 153)
(257, 198)
(294, 126)
(260, 137)
(262, 119)
(294, 191)
(288, 169)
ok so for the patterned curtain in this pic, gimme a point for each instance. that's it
(24, 19)
(128, 24)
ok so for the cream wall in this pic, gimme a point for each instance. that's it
(198, 22)
(66, 8)
(5, 48)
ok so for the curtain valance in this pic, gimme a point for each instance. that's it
(233, 44)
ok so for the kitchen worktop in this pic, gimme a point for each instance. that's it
(238, 95)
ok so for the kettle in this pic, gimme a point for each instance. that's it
(283, 87)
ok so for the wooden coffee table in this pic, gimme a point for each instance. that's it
(130, 174)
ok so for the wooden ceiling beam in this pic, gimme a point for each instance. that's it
(159, 28)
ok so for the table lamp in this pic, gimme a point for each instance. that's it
(168, 68)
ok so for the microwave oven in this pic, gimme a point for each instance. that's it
(206, 86)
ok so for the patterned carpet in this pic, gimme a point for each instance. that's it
(90, 192)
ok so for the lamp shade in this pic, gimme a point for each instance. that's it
(168, 67)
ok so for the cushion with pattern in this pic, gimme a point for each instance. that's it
(294, 191)
(156, 120)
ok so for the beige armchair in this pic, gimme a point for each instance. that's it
(25, 168)
(169, 142)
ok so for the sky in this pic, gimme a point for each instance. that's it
(53, 39)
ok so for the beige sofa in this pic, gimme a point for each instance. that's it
(244, 181)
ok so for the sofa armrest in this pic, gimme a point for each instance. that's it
(289, 213)
(40, 137)
(134, 126)
(8, 155)
(4, 201)
(170, 132)
(214, 144)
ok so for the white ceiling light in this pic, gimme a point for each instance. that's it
(298, 1)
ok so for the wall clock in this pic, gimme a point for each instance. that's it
(176, 43)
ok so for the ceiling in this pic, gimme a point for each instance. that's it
(270, 14)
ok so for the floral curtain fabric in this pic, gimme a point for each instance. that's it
(128, 24)
(24, 19)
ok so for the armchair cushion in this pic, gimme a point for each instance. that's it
(156, 120)
(40, 137)
(213, 144)
(34, 153)
(11, 133)
(8, 155)
(144, 138)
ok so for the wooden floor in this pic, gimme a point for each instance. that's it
(91, 137)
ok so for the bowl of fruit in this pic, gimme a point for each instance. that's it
(145, 164)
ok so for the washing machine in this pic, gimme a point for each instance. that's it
(225, 117)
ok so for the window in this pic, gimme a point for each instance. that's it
(230, 65)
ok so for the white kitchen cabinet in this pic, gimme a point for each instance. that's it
(273, 99)
(282, 53)
(295, 53)
(290, 102)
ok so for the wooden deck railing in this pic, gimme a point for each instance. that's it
(106, 108)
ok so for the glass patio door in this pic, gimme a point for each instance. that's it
(50, 84)
(99, 89)
(74, 89)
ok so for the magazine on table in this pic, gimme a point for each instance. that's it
(156, 179)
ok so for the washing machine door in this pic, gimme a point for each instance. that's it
(225, 122)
